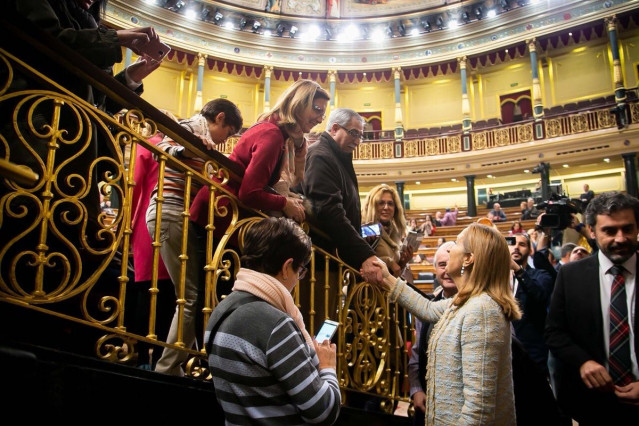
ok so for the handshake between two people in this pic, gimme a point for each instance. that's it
(375, 271)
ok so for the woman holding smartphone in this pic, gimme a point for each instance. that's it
(469, 371)
(384, 206)
(266, 368)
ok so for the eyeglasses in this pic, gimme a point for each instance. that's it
(301, 273)
(353, 132)
(381, 203)
(319, 111)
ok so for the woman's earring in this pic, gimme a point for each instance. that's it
(462, 270)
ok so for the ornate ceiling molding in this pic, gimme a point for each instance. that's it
(429, 48)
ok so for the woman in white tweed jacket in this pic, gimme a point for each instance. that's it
(469, 374)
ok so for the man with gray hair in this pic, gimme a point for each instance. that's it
(417, 361)
(330, 183)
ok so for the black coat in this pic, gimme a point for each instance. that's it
(331, 185)
(574, 334)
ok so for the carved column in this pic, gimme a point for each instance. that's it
(629, 163)
(466, 125)
(399, 126)
(201, 60)
(332, 78)
(470, 195)
(538, 107)
(268, 70)
(620, 90)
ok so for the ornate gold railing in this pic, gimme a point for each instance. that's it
(496, 137)
(57, 246)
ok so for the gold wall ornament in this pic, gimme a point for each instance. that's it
(411, 148)
(432, 146)
(502, 137)
(553, 128)
(386, 150)
(579, 123)
(480, 140)
(606, 119)
(453, 144)
(365, 151)
(525, 133)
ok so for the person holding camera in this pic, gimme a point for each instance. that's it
(532, 288)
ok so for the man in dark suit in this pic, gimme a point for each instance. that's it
(594, 317)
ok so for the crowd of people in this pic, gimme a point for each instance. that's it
(499, 306)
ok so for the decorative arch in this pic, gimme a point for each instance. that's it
(373, 124)
(516, 106)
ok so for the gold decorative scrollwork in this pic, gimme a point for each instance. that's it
(58, 239)
(411, 148)
(525, 133)
(480, 140)
(365, 151)
(502, 138)
(453, 144)
(553, 128)
(386, 150)
(366, 328)
(138, 124)
(432, 146)
(605, 119)
(634, 112)
(116, 348)
(579, 123)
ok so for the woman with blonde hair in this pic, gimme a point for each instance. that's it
(469, 372)
(383, 205)
(272, 153)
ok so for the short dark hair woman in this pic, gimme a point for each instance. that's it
(265, 366)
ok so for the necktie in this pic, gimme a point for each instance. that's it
(619, 359)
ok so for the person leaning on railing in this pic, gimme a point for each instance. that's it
(272, 153)
(266, 367)
(469, 371)
(76, 23)
(218, 119)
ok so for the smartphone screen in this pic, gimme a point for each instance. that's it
(327, 331)
(511, 241)
(371, 230)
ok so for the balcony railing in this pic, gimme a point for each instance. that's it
(565, 124)
(57, 248)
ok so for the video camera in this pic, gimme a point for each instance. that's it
(559, 211)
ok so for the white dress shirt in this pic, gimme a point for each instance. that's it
(605, 287)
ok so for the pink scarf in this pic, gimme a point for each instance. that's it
(273, 292)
